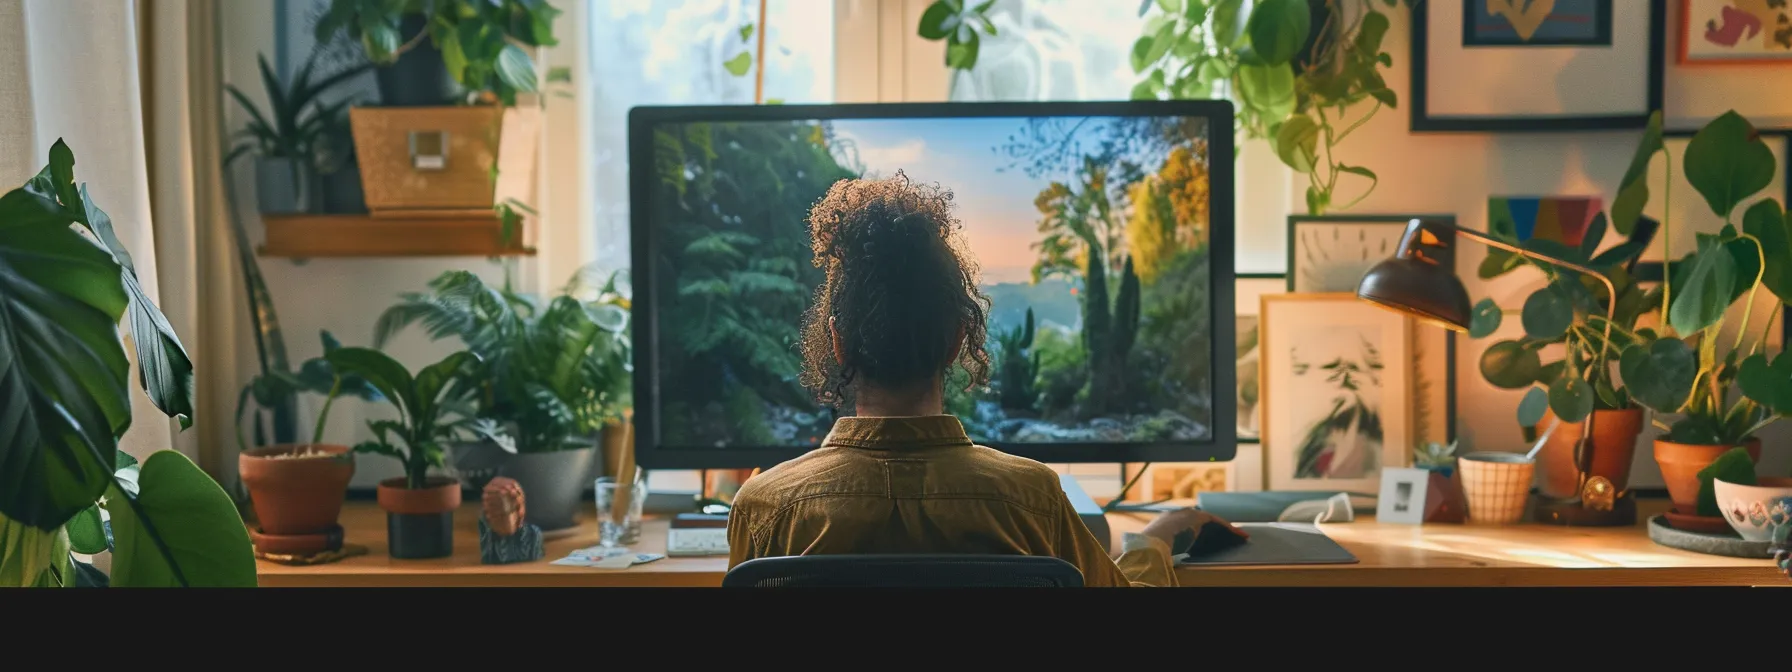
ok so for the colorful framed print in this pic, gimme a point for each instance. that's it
(1603, 64)
(1336, 388)
(1561, 219)
(1331, 254)
(1250, 288)
(1525, 23)
(1735, 32)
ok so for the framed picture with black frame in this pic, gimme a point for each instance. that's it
(1492, 66)
(1330, 253)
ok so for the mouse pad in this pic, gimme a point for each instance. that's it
(1278, 544)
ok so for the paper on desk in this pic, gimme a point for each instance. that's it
(623, 560)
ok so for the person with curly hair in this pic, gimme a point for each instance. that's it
(898, 308)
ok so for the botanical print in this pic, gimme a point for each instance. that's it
(1250, 292)
(1344, 440)
(1736, 30)
(1337, 392)
(1333, 255)
(1537, 23)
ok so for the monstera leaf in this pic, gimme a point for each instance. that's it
(64, 395)
(182, 530)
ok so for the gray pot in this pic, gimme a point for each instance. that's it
(553, 484)
(475, 463)
(285, 186)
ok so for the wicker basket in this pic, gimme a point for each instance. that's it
(461, 178)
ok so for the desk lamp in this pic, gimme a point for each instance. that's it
(1420, 281)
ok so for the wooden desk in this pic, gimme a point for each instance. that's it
(1391, 556)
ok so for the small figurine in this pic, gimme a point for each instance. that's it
(1599, 494)
(504, 536)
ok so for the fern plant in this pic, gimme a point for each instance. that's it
(548, 371)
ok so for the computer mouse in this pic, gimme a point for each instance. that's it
(1214, 537)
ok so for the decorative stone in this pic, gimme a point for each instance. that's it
(503, 501)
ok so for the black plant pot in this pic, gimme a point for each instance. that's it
(420, 536)
(420, 77)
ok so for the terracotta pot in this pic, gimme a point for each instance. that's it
(1614, 446)
(1680, 465)
(440, 494)
(420, 522)
(296, 495)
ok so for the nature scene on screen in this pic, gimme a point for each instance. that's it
(1091, 234)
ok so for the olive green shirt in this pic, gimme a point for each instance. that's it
(918, 485)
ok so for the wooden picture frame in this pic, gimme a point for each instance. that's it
(1713, 21)
(1493, 98)
(1352, 244)
(1336, 389)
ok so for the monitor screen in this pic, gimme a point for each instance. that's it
(1102, 232)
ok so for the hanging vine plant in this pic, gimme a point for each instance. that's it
(1304, 74)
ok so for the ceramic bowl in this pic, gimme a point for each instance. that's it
(1755, 511)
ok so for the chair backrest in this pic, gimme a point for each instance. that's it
(904, 571)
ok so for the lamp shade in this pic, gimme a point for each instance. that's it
(1420, 279)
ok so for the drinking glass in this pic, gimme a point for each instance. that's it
(619, 510)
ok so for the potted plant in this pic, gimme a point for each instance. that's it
(65, 283)
(297, 489)
(433, 53)
(431, 411)
(1569, 315)
(1444, 502)
(552, 374)
(1724, 392)
(286, 140)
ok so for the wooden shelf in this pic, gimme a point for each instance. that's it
(418, 234)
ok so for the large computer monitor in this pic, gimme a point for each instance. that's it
(722, 271)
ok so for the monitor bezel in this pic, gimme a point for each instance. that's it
(1220, 446)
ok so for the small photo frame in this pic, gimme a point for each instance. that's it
(1402, 498)
(1518, 23)
(1518, 66)
(1251, 288)
(1735, 32)
(1336, 388)
(1331, 253)
(1178, 481)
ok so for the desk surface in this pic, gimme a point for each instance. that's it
(1390, 555)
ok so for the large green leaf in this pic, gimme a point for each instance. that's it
(1703, 288)
(196, 522)
(1267, 88)
(1547, 314)
(1768, 384)
(87, 532)
(1727, 162)
(1532, 406)
(1660, 375)
(516, 69)
(1278, 29)
(434, 379)
(1633, 192)
(164, 369)
(1571, 398)
(381, 371)
(1484, 319)
(63, 371)
(1767, 224)
(1297, 143)
(1509, 365)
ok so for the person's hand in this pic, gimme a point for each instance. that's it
(1170, 523)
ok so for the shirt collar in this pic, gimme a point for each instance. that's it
(891, 433)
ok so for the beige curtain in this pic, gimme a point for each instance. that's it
(201, 290)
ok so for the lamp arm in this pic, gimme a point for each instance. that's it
(1583, 449)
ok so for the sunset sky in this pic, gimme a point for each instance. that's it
(996, 206)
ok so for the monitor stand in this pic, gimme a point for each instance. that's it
(1085, 507)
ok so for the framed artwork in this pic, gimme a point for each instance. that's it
(1251, 288)
(1169, 481)
(1563, 219)
(1522, 23)
(1515, 66)
(1689, 215)
(1331, 254)
(1717, 32)
(1336, 385)
(1402, 497)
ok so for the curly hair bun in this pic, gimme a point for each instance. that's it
(901, 287)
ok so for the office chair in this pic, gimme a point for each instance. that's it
(904, 571)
